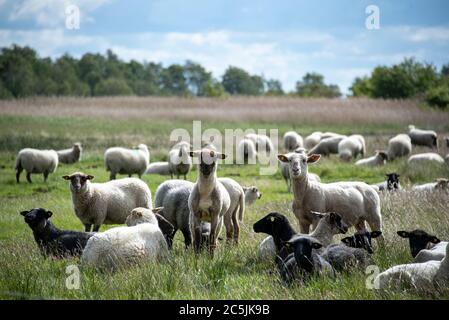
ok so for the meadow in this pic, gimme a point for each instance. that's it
(234, 272)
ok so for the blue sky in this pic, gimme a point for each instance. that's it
(281, 39)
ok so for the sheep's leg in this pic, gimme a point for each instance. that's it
(185, 177)
(19, 171)
(45, 176)
(171, 174)
(304, 227)
(112, 176)
(229, 227)
(236, 228)
(215, 227)
(196, 233)
(187, 237)
(96, 227)
(87, 227)
(29, 177)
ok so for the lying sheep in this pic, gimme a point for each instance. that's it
(292, 141)
(251, 195)
(362, 240)
(106, 203)
(420, 137)
(327, 146)
(440, 185)
(379, 159)
(71, 155)
(121, 246)
(350, 147)
(161, 168)
(423, 246)
(261, 142)
(51, 240)
(236, 209)
(399, 146)
(425, 158)
(36, 161)
(312, 140)
(127, 161)
(179, 161)
(391, 184)
(246, 151)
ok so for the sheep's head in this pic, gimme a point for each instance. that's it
(298, 163)
(333, 220)
(207, 159)
(303, 247)
(442, 184)
(77, 146)
(37, 218)
(78, 181)
(251, 194)
(392, 181)
(345, 155)
(382, 154)
(270, 222)
(362, 240)
(418, 240)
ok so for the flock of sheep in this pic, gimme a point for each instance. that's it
(200, 209)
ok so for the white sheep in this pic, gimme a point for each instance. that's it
(127, 161)
(312, 140)
(179, 161)
(36, 161)
(350, 147)
(71, 155)
(236, 209)
(379, 159)
(327, 146)
(246, 151)
(261, 142)
(420, 137)
(399, 146)
(285, 171)
(437, 253)
(425, 158)
(140, 241)
(356, 202)
(106, 203)
(292, 141)
(251, 195)
(440, 185)
(161, 168)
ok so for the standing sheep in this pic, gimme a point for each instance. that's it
(292, 141)
(349, 148)
(246, 152)
(251, 195)
(379, 159)
(312, 140)
(399, 146)
(426, 158)
(36, 161)
(327, 146)
(179, 161)
(261, 142)
(127, 161)
(106, 203)
(420, 137)
(236, 209)
(71, 155)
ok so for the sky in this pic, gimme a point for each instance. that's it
(280, 39)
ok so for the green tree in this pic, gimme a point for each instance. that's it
(238, 81)
(361, 87)
(113, 87)
(174, 81)
(197, 78)
(274, 88)
(312, 85)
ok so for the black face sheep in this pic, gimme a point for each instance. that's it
(391, 184)
(419, 240)
(51, 240)
(362, 240)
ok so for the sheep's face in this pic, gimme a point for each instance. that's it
(298, 163)
(442, 184)
(362, 240)
(303, 247)
(346, 155)
(78, 181)
(332, 219)
(392, 181)
(36, 218)
(269, 223)
(383, 155)
(77, 147)
(252, 194)
(418, 240)
(207, 160)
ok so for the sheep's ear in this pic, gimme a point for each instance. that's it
(220, 155)
(194, 154)
(90, 177)
(316, 245)
(313, 158)
(403, 234)
(375, 234)
(245, 188)
(282, 158)
(48, 214)
(24, 213)
(66, 177)
(157, 210)
(434, 239)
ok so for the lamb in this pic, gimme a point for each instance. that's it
(51, 240)
(420, 137)
(423, 246)
(424, 277)
(312, 140)
(440, 185)
(292, 141)
(137, 242)
(327, 146)
(179, 161)
(106, 203)
(350, 147)
(392, 183)
(71, 155)
(36, 161)
(261, 142)
(361, 240)
(246, 151)
(379, 159)
(237, 206)
(251, 195)
(209, 199)
(161, 168)
(356, 202)
(426, 158)
(127, 161)
(399, 146)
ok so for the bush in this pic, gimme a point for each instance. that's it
(438, 96)
(113, 87)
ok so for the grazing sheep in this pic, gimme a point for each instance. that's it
(292, 141)
(261, 142)
(425, 158)
(127, 161)
(71, 155)
(179, 161)
(312, 140)
(361, 240)
(236, 210)
(51, 240)
(424, 277)
(121, 246)
(440, 185)
(251, 195)
(209, 199)
(327, 146)
(106, 203)
(419, 240)
(161, 168)
(392, 183)
(379, 159)
(420, 137)
(356, 202)
(350, 147)
(399, 146)
(36, 161)
(246, 151)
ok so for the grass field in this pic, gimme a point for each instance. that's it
(235, 272)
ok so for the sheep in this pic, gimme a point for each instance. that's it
(179, 161)
(36, 161)
(356, 202)
(285, 171)
(127, 161)
(447, 141)
(420, 137)
(361, 240)
(71, 155)
(423, 277)
(209, 199)
(423, 246)
(121, 246)
(399, 146)
(251, 195)
(161, 168)
(350, 147)
(327, 146)
(246, 151)
(261, 141)
(292, 141)
(425, 158)
(379, 159)
(236, 209)
(51, 240)
(440, 185)
(312, 140)
(106, 203)
(391, 184)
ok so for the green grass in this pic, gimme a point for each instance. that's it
(235, 272)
